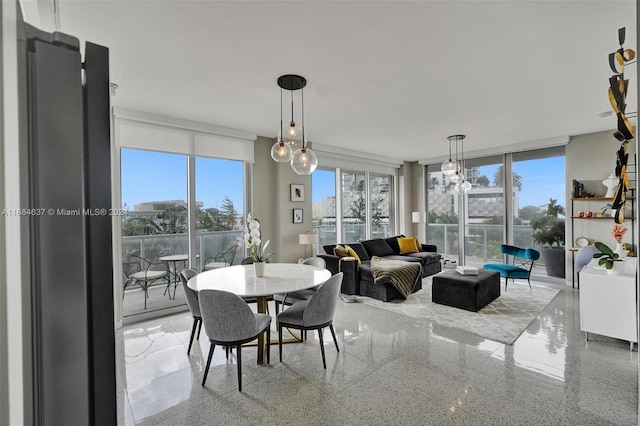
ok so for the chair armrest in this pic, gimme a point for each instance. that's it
(157, 266)
(429, 247)
(332, 262)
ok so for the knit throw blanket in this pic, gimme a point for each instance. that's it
(402, 275)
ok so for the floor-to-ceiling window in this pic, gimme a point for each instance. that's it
(442, 216)
(354, 205)
(484, 209)
(323, 188)
(219, 210)
(182, 186)
(154, 195)
(381, 197)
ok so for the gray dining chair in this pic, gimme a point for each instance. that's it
(297, 296)
(228, 321)
(583, 257)
(192, 303)
(313, 314)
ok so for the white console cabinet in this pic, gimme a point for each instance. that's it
(608, 302)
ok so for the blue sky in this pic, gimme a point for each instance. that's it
(153, 176)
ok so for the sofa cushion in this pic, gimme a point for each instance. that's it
(407, 245)
(377, 247)
(338, 250)
(426, 257)
(393, 243)
(351, 252)
(360, 251)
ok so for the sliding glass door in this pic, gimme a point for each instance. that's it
(323, 188)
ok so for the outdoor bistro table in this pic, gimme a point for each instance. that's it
(174, 258)
(242, 280)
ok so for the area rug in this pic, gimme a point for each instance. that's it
(503, 320)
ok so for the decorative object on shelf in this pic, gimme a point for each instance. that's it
(610, 183)
(253, 241)
(608, 258)
(297, 192)
(457, 177)
(618, 88)
(307, 239)
(579, 192)
(618, 230)
(549, 233)
(606, 210)
(290, 145)
(582, 241)
(297, 216)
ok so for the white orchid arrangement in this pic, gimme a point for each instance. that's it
(252, 239)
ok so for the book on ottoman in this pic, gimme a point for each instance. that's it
(467, 270)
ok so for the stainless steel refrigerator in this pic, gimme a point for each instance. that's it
(66, 190)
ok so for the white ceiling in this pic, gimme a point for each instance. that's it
(388, 78)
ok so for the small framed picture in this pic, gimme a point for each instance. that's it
(297, 192)
(297, 215)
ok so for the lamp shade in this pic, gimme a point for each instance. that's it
(418, 217)
(281, 152)
(304, 161)
(307, 238)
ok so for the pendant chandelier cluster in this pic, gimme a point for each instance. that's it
(291, 143)
(452, 168)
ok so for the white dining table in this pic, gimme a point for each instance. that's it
(242, 281)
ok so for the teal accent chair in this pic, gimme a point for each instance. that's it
(521, 266)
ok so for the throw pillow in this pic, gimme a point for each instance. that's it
(407, 245)
(418, 245)
(377, 247)
(340, 251)
(351, 252)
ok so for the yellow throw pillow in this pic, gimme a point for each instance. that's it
(353, 253)
(418, 245)
(407, 245)
(340, 251)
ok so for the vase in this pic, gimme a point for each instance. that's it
(259, 268)
(622, 253)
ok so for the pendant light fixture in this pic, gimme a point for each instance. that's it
(303, 160)
(450, 167)
(457, 177)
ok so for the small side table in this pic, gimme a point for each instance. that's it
(174, 258)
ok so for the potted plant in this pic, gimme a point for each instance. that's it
(608, 258)
(548, 232)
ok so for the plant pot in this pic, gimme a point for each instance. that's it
(554, 261)
(622, 253)
(259, 268)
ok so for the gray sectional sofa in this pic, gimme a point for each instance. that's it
(358, 280)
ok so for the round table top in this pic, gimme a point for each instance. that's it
(174, 257)
(242, 280)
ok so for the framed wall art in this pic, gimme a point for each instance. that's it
(297, 216)
(297, 192)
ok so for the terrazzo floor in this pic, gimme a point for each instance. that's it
(392, 369)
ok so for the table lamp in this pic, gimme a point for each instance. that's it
(419, 217)
(307, 239)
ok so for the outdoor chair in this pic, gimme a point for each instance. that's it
(221, 260)
(228, 321)
(297, 296)
(521, 266)
(313, 314)
(192, 302)
(142, 272)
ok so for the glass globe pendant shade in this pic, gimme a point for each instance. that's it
(281, 151)
(462, 187)
(304, 161)
(449, 167)
(457, 178)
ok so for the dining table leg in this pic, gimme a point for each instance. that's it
(262, 309)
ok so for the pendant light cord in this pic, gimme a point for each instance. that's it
(281, 128)
(302, 98)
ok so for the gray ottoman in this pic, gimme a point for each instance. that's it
(470, 292)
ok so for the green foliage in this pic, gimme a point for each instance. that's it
(606, 255)
(498, 179)
(549, 229)
(447, 217)
(482, 181)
